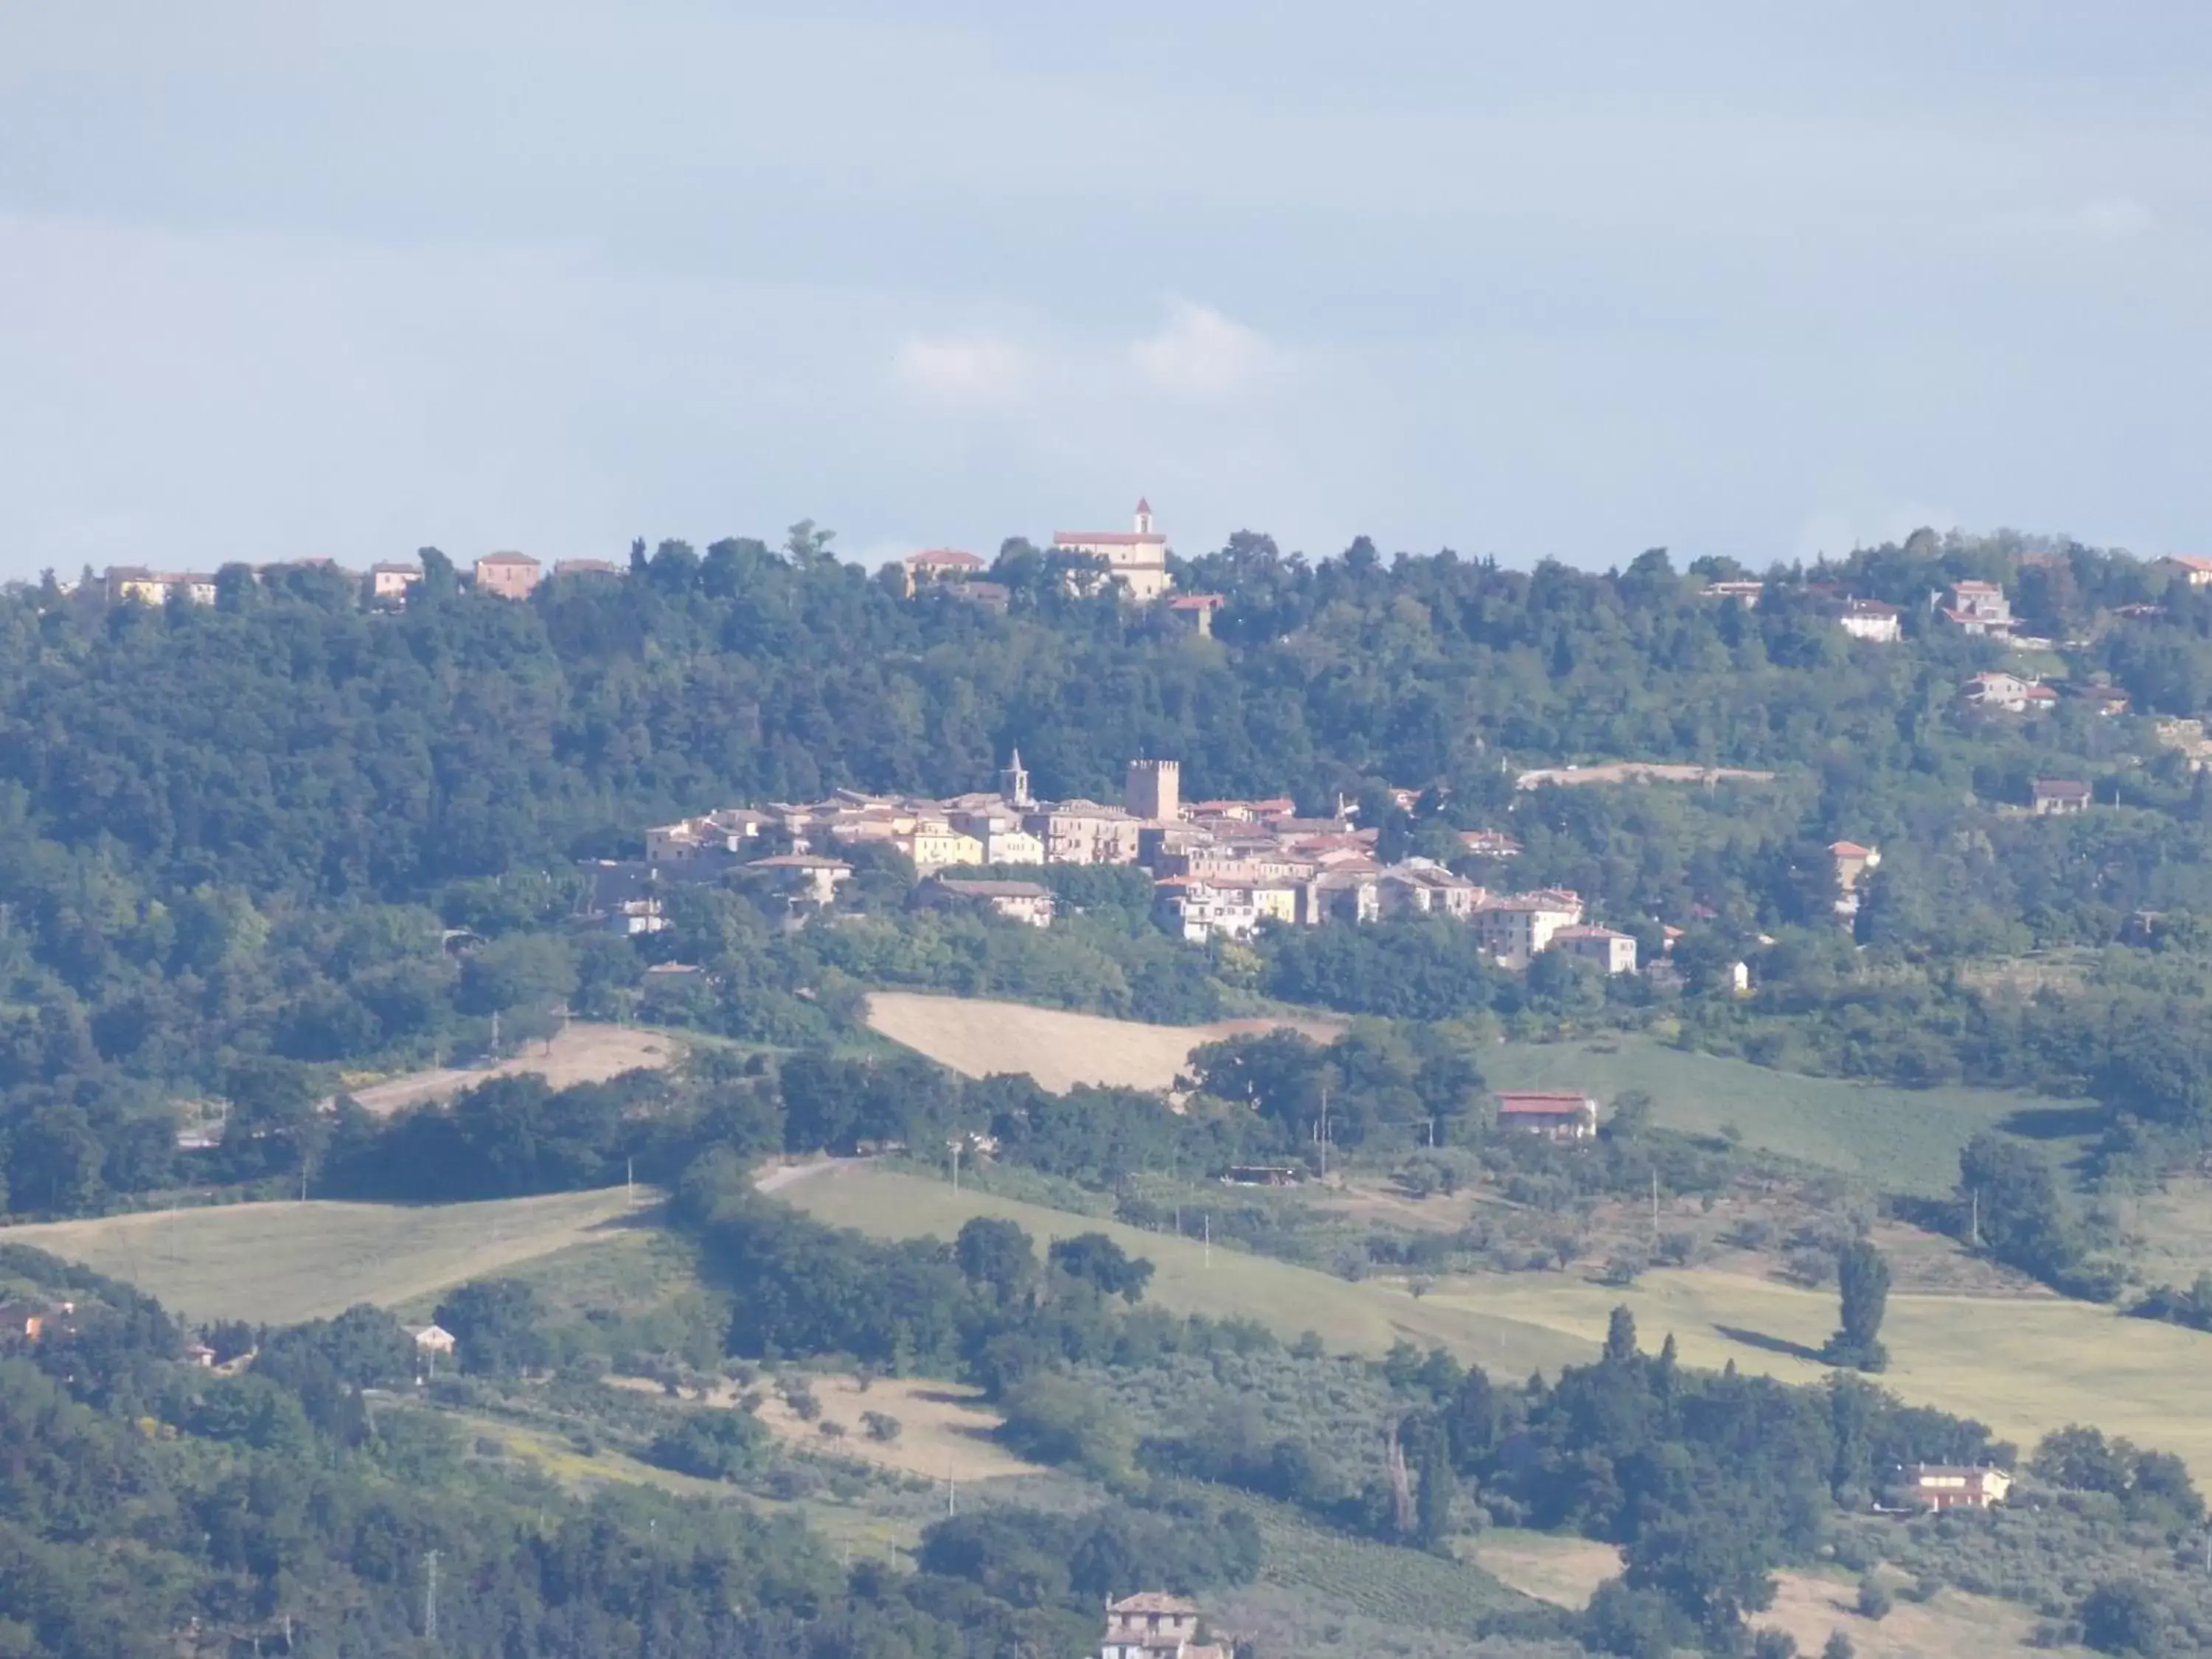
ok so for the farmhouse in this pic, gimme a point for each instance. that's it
(2058, 797)
(1195, 612)
(507, 576)
(1950, 1487)
(1555, 1116)
(392, 581)
(1150, 1625)
(939, 564)
(2192, 568)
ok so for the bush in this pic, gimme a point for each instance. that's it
(1056, 1419)
(1873, 1598)
(713, 1445)
(880, 1425)
(799, 1396)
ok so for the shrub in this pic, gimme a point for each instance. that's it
(713, 1445)
(880, 1425)
(1873, 1598)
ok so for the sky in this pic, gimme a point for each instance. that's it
(1566, 282)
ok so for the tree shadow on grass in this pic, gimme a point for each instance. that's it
(2054, 1122)
(1766, 1344)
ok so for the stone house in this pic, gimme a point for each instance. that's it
(1612, 951)
(1026, 901)
(509, 575)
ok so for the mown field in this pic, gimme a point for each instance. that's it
(277, 1263)
(2022, 1366)
(978, 1038)
(1903, 1141)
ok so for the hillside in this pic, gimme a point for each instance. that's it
(280, 1262)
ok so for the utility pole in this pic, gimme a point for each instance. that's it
(1324, 1132)
(495, 1034)
(1974, 1225)
(1207, 1260)
(430, 1600)
(956, 1166)
(630, 1182)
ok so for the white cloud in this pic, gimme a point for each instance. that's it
(1206, 357)
(975, 371)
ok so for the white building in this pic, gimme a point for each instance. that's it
(1518, 928)
(1613, 952)
(1136, 559)
(1871, 620)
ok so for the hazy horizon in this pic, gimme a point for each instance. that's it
(277, 283)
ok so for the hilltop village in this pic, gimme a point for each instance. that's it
(1220, 868)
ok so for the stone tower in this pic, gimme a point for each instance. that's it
(1014, 781)
(1154, 790)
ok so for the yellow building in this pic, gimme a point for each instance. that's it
(936, 844)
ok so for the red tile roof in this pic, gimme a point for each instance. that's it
(1535, 1103)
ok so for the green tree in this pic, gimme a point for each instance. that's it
(2124, 1616)
(1863, 1276)
(494, 1322)
(998, 1256)
(1620, 1336)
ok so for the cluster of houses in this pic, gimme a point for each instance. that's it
(504, 576)
(1135, 561)
(1220, 868)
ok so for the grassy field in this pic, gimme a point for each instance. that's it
(1224, 1284)
(1903, 1140)
(1059, 1050)
(276, 1263)
(1385, 1583)
(1564, 1571)
(945, 1430)
(2022, 1366)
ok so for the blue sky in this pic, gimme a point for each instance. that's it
(1571, 281)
